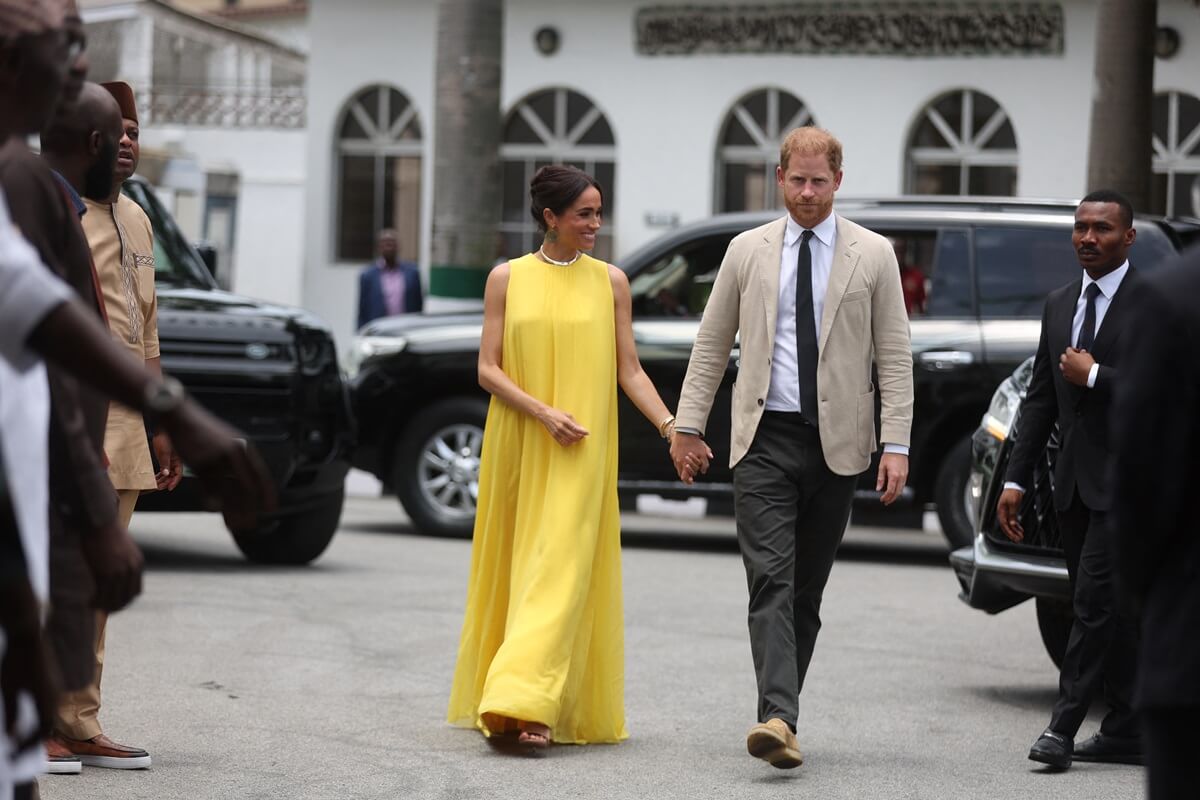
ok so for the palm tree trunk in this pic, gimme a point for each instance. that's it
(1119, 154)
(466, 184)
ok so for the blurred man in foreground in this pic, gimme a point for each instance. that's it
(1156, 433)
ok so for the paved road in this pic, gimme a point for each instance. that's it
(331, 681)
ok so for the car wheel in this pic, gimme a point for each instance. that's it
(1054, 621)
(437, 467)
(952, 494)
(294, 538)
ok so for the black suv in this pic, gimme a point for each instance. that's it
(975, 274)
(271, 372)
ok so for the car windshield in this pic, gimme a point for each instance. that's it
(176, 263)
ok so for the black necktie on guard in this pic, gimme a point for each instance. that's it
(806, 332)
(1087, 334)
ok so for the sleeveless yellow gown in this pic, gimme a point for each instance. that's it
(543, 637)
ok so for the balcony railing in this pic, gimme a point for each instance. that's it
(227, 108)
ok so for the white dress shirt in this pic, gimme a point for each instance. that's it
(784, 391)
(1109, 285)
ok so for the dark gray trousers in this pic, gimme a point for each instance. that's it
(791, 514)
(1101, 652)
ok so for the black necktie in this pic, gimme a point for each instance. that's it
(806, 332)
(1087, 334)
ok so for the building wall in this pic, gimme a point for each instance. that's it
(268, 250)
(356, 45)
(666, 111)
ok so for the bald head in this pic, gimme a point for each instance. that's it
(81, 142)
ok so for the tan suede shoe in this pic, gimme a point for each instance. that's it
(774, 742)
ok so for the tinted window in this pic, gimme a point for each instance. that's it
(174, 259)
(678, 284)
(934, 272)
(950, 284)
(1018, 267)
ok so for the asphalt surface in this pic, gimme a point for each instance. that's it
(331, 681)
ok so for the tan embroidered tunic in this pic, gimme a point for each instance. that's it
(122, 243)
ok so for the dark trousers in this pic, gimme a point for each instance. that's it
(1172, 739)
(1102, 648)
(791, 514)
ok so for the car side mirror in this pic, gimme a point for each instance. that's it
(208, 254)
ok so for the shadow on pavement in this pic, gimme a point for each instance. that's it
(172, 558)
(389, 528)
(1029, 698)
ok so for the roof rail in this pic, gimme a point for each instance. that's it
(963, 200)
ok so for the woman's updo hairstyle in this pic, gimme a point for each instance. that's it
(556, 187)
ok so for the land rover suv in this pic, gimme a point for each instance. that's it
(268, 370)
(975, 273)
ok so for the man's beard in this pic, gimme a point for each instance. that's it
(98, 182)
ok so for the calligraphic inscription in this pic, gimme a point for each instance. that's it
(861, 28)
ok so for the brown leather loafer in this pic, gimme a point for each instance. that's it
(101, 751)
(60, 760)
(774, 742)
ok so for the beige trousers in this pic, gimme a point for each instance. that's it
(79, 711)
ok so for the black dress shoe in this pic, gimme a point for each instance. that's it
(1111, 749)
(1053, 749)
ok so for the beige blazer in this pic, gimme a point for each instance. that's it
(863, 321)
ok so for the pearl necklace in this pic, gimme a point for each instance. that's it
(550, 260)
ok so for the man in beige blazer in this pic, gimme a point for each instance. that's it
(813, 300)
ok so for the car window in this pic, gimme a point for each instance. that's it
(1018, 267)
(174, 259)
(678, 283)
(1151, 248)
(935, 272)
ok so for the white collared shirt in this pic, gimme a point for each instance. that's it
(1109, 285)
(784, 391)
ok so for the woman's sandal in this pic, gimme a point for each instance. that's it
(535, 738)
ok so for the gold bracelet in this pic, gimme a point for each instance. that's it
(669, 422)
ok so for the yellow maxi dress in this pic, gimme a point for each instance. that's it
(543, 637)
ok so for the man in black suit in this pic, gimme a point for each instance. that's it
(1156, 436)
(1074, 375)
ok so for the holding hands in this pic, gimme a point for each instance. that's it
(690, 455)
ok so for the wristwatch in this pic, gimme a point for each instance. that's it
(163, 398)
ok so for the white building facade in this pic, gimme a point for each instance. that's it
(223, 131)
(678, 110)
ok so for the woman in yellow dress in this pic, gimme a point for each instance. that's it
(542, 647)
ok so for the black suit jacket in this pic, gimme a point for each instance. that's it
(1156, 445)
(1082, 413)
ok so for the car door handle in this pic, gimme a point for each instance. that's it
(946, 360)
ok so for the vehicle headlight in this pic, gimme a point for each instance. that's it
(999, 417)
(314, 351)
(364, 348)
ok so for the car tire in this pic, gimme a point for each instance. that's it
(950, 495)
(1055, 619)
(436, 471)
(295, 539)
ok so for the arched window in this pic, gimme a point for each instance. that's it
(962, 143)
(554, 126)
(748, 150)
(1176, 154)
(378, 173)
